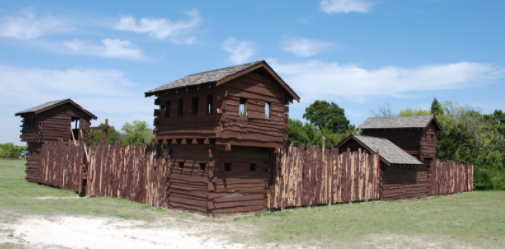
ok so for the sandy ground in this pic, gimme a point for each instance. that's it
(92, 232)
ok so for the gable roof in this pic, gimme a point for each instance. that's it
(388, 151)
(421, 121)
(52, 104)
(221, 76)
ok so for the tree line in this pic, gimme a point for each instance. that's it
(135, 133)
(10, 150)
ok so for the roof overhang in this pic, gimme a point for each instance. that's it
(269, 70)
(351, 137)
(262, 64)
(68, 101)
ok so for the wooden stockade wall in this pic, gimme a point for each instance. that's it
(450, 177)
(60, 165)
(319, 177)
(137, 173)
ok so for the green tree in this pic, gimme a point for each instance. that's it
(10, 150)
(412, 112)
(138, 132)
(300, 133)
(436, 107)
(96, 136)
(326, 115)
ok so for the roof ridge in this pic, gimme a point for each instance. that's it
(224, 68)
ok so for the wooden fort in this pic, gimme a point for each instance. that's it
(51, 122)
(406, 145)
(221, 128)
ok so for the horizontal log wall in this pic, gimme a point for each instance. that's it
(60, 165)
(450, 177)
(315, 177)
(404, 183)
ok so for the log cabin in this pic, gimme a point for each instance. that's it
(417, 135)
(402, 175)
(51, 122)
(222, 128)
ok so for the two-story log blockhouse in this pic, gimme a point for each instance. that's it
(417, 135)
(221, 128)
(50, 122)
(410, 143)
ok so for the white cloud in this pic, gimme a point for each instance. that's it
(316, 79)
(29, 26)
(304, 47)
(345, 6)
(105, 93)
(114, 48)
(162, 28)
(240, 51)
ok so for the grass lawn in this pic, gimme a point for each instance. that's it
(473, 219)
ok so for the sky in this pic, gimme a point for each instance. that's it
(359, 54)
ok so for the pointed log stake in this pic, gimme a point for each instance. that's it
(194, 141)
(156, 141)
(174, 141)
(206, 141)
(165, 141)
(184, 141)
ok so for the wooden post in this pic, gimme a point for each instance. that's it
(105, 132)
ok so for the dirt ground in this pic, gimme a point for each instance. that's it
(107, 232)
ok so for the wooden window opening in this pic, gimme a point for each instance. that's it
(194, 105)
(242, 107)
(167, 109)
(202, 166)
(267, 110)
(179, 107)
(227, 166)
(210, 104)
(252, 167)
(181, 165)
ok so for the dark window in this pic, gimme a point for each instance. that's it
(163, 108)
(202, 166)
(194, 105)
(181, 165)
(267, 110)
(227, 167)
(167, 109)
(252, 167)
(242, 107)
(179, 107)
(210, 103)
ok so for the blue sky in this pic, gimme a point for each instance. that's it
(357, 53)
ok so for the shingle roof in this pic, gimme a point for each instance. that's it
(43, 106)
(51, 104)
(388, 150)
(396, 122)
(204, 77)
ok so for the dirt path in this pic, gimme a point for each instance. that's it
(103, 232)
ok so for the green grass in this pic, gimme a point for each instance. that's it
(473, 219)
(19, 197)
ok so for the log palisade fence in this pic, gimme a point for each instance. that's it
(61, 164)
(320, 177)
(137, 173)
(450, 177)
(298, 176)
